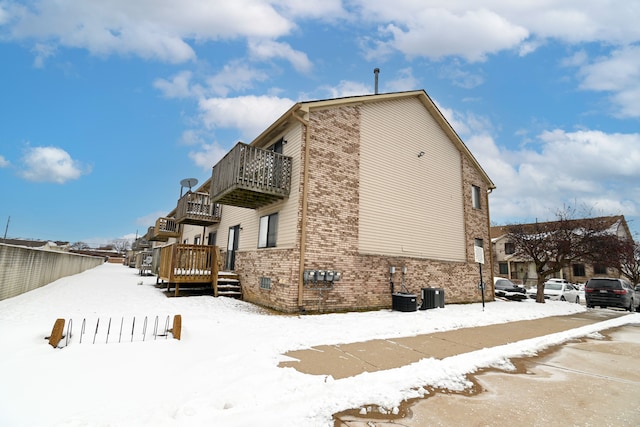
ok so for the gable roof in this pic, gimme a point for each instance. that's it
(299, 110)
(32, 243)
(613, 223)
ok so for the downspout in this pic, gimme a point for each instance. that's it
(303, 217)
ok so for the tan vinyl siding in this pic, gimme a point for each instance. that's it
(249, 219)
(288, 208)
(409, 205)
(190, 231)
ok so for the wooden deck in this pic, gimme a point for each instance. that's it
(190, 266)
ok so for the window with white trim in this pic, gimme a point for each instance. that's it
(475, 196)
(268, 231)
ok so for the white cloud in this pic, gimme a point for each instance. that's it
(472, 34)
(402, 81)
(235, 76)
(250, 114)
(191, 137)
(169, 30)
(4, 162)
(42, 51)
(325, 9)
(4, 15)
(459, 77)
(496, 25)
(576, 21)
(268, 49)
(156, 29)
(347, 88)
(618, 74)
(208, 156)
(179, 86)
(50, 164)
(586, 168)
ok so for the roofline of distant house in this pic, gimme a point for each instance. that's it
(498, 231)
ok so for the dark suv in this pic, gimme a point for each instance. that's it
(609, 292)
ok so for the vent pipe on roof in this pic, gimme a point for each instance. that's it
(376, 71)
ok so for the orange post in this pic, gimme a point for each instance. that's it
(56, 333)
(177, 326)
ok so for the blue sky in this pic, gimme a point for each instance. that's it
(105, 106)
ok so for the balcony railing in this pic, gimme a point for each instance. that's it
(251, 177)
(189, 265)
(164, 229)
(197, 209)
(139, 244)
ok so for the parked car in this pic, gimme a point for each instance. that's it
(558, 290)
(507, 289)
(611, 292)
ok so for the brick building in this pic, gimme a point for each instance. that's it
(523, 271)
(317, 209)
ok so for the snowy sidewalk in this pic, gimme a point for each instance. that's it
(346, 360)
(564, 386)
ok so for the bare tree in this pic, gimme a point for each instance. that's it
(79, 246)
(551, 246)
(630, 260)
(120, 245)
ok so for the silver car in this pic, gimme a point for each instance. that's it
(558, 290)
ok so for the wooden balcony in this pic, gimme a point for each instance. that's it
(251, 177)
(164, 229)
(140, 243)
(197, 209)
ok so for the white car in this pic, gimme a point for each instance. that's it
(558, 290)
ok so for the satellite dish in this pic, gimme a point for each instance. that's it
(188, 182)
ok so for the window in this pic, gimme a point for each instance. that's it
(509, 248)
(265, 283)
(504, 267)
(599, 269)
(212, 238)
(475, 196)
(277, 146)
(478, 243)
(196, 240)
(578, 270)
(268, 231)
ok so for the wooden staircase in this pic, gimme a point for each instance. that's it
(229, 285)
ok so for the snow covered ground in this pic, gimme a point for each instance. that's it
(224, 371)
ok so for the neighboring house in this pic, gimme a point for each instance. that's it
(39, 244)
(314, 212)
(506, 264)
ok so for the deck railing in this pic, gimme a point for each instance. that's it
(197, 209)
(140, 244)
(251, 177)
(194, 264)
(164, 228)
